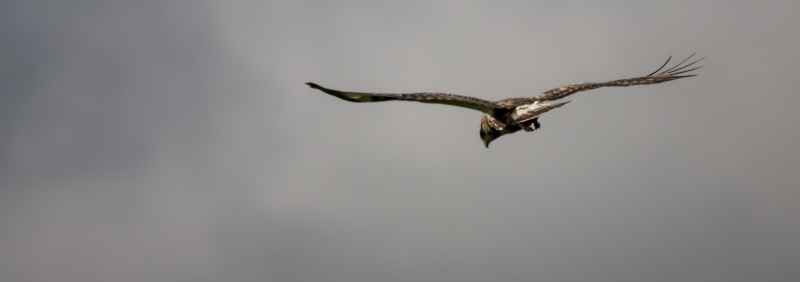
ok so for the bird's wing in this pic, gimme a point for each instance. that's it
(433, 98)
(672, 73)
(534, 111)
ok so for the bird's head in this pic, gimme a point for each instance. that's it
(488, 132)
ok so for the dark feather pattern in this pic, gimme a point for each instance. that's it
(433, 98)
(514, 114)
(652, 78)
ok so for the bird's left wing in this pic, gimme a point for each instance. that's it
(433, 98)
(672, 73)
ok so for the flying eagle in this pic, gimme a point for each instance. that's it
(514, 114)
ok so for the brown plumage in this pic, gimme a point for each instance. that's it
(514, 114)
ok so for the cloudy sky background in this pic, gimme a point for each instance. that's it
(175, 141)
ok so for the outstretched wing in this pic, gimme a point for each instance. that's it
(534, 111)
(433, 98)
(672, 73)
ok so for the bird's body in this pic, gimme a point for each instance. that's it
(513, 114)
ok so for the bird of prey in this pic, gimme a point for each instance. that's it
(514, 114)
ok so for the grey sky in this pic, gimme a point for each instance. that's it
(175, 141)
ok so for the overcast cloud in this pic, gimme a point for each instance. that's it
(176, 141)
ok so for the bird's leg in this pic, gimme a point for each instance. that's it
(526, 127)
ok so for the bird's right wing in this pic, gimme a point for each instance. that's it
(433, 98)
(673, 73)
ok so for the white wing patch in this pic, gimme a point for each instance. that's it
(524, 109)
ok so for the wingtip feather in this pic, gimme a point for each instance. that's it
(313, 85)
